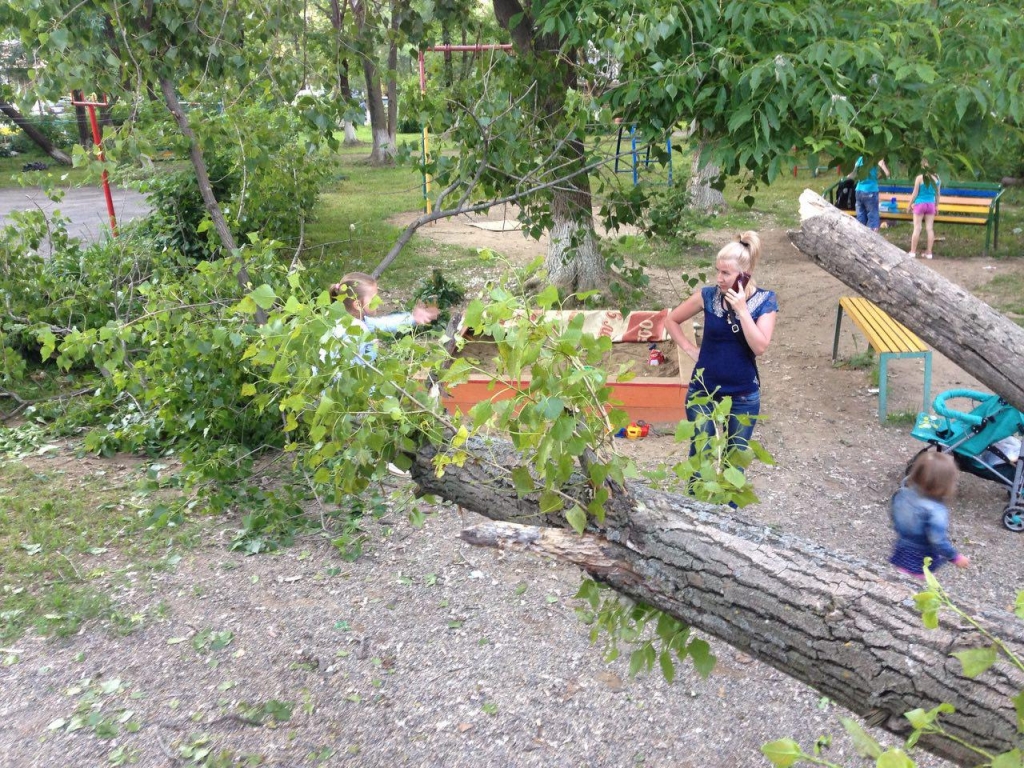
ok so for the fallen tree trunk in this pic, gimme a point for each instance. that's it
(826, 619)
(37, 136)
(983, 342)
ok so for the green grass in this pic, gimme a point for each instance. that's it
(859, 361)
(1005, 293)
(12, 177)
(901, 419)
(59, 534)
(351, 232)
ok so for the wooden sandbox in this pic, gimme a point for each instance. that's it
(657, 394)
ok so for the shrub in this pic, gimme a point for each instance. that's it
(264, 174)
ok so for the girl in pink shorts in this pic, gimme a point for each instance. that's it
(924, 202)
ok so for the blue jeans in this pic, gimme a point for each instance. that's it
(739, 433)
(867, 209)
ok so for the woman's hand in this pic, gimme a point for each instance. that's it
(738, 301)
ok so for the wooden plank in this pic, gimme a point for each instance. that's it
(901, 338)
(938, 217)
(974, 204)
(884, 328)
(884, 333)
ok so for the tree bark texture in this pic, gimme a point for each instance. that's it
(37, 136)
(826, 619)
(704, 197)
(574, 260)
(982, 341)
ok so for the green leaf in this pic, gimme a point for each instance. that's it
(894, 758)
(551, 407)
(1012, 759)
(928, 603)
(577, 518)
(864, 743)
(782, 753)
(246, 306)
(703, 660)
(59, 38)
(264, 296)
(522, 481)
(735, 477)
(685, 431)
(547, 298)
(1018, 607)
(976, 660)
(668, 667)
(1018, 705)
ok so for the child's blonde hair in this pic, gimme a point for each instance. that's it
(356, 289)
(934, 474)
(744, 251)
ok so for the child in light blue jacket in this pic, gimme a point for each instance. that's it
(921, 518)
(357, 290)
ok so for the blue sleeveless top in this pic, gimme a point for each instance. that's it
(928, 191)
(728, 363)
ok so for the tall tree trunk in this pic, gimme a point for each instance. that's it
(704, 197)
(351, 139)
(220, 224)
(384, 147)
(392, 76)
(965, 329)
(343, 87)
(574, 260)
(82, 122)
(34, 134)
(828, 620)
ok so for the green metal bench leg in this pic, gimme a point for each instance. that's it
(883, 361)
(995, 239)
(835, 341)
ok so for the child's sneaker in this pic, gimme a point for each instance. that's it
(911, 254)
(927, 255)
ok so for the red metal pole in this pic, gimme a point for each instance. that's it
(98, 140)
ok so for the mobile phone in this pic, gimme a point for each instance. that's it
(741, 281)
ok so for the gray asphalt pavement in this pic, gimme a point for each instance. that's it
(85, 207)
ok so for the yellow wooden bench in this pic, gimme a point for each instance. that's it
(888, 338)
(962, 202)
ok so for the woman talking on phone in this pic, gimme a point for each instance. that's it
(739, 319)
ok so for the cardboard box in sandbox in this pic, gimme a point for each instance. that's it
(657, 393)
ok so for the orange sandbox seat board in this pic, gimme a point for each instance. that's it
(658, 401)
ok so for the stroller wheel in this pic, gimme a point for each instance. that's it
(1013, 518)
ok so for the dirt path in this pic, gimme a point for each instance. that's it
(427, 652)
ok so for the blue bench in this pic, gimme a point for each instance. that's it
(960, 202)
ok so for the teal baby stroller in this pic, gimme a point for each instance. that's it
(984, 442)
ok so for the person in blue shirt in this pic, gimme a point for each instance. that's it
(924, 203)
(739, 319)
(920, 516)
(866, 193)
